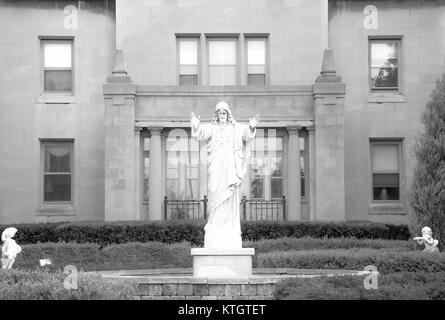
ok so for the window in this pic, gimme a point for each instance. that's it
(266, 165)
(57, 65)
(384, 64)
(222, 57)
(146, 159)
(182, 166)
(256, 61)
(303, 161)
(386, 160)
(57, 158)
(188, 61)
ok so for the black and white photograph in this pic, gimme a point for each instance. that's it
(222, 158)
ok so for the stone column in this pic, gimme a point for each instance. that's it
(293, 198)
(155, 176)
(119, 94)
(311, 174)
(138, 172)
(329, 143)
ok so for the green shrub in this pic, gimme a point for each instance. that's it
(33, 232)
(429, 172)
(153, 255)
(386, 261)
(44, 285)
(395, 286)
(61, 254)
(255, 231)
(90, 257)
(105, 233)
(308, 243)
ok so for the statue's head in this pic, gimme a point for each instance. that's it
(223, 112)
(8, 233)
(427, 230)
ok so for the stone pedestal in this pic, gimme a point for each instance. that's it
(218, 263)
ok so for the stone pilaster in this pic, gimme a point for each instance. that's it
(329, 142)
(311, 174)
(138, 170)
(155, 176)
(293, 175)
(119, 95)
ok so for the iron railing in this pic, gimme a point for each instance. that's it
(251, 209)
(185, 209)
(256, 209)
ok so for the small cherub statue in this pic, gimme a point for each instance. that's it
(427, 240)
(10, 248)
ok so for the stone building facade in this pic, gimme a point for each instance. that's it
(96, 99)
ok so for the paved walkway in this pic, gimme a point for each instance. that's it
(259, 275)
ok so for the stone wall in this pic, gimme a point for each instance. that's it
(206, 289)
(27, 115)
(422, 28)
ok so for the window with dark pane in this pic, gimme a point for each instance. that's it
(182, 166)
(384, 64)
(303, 155)
(188, 61)
(256, 62)
(222, 61)
(266, 165)
(146, 156)
(57, 174)
(57, 66)
(385, 171)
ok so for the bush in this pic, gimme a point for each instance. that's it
(90, 257)
(34, 232)
(308, 243)
(395, 286)
(105, 233)
(386, 261)
(429, 173)
(44, 285)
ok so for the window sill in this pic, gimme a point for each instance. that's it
(56, 210)
(387, 209)
(56, 98)
(385, 97)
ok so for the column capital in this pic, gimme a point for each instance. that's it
(294, 130)
(311, 130)
(137, 130)
(155, 130)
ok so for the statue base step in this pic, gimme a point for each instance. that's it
(222, 263)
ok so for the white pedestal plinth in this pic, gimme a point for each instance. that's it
(226, 263)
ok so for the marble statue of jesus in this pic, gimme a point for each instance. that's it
(226, 145)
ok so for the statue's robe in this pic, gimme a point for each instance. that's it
(226, 146)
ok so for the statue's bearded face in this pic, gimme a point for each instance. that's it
(222, 116)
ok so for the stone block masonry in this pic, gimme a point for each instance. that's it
(255, 289)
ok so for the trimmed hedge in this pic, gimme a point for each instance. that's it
(386, 261)
(308, 243)
(395, 286)
(269, 253)
(105, 233)
(90, 257)
(44, 285)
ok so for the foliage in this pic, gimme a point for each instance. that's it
(90, 257)
(308, 243)
(394, 286)
(429, 173)
(45, 285)
(105, 233)
(386, 261)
